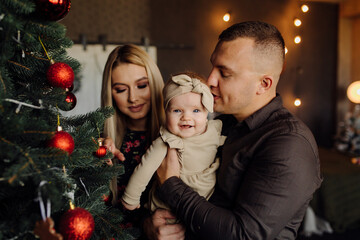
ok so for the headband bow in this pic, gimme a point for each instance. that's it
(182, 84)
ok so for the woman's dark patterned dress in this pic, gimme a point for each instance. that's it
(133, 147)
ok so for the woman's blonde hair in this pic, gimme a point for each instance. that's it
(115, 126)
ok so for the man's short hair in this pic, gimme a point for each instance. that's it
(265, 35)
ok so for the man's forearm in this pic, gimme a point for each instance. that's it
(203, 218)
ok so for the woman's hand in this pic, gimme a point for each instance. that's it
(155, 227)
(169, 167)
(110, 145)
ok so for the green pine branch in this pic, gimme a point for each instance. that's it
(29, 113)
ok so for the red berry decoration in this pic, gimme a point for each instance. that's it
(52, 10)
(76, 224)
(70, 98)
(62, 140)
(60, 75)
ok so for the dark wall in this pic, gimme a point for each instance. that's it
(197, 24)
(186, 31)
(311, 72)
(120, 20)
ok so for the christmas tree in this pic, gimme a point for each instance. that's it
(48, 162)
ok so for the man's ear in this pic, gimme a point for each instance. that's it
(265, 84)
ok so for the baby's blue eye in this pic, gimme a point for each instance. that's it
(196, 110)
(177, 110)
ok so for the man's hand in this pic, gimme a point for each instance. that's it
(155, 227)
(169, 167)
(110, 145)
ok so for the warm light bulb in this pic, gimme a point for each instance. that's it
(297, 102)
(304, 8)
(297, 39)
(226, 17)
(297, 22)
(286, 50)
(353, 92)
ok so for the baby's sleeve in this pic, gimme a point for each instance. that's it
(143, 173)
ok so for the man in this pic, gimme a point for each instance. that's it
(269, 163)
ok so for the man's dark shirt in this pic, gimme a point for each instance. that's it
(269, 171)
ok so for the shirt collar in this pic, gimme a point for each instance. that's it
(257, 118)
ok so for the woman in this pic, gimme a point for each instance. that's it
(132, 85)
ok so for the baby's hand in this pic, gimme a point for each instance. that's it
(128, 206)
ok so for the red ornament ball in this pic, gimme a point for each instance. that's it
(70, 88)
(101, 152)
(70, 98)
(60, 75)
(62, 140)
(76, 224)
(52, 10)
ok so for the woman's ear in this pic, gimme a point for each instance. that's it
(265, 84)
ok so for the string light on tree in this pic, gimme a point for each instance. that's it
(297, 40)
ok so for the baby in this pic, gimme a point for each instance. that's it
(187, 102)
